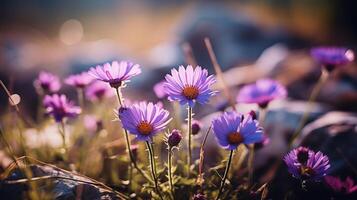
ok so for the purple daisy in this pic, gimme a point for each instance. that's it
(144, 119)
(79, 80)
(189, 85)
(261, 92)
(116, 74)
(60, 107)
(231, 130)
(331, 57)
(47, 83)
(305, 164)
(335, 183)
(98, 91)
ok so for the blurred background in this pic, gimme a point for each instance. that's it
(66, 37)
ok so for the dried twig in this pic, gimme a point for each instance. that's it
(219, 73)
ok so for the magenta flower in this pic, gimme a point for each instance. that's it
(231, 130)
(335, 183)
(98, 91)
(189, 85)
(159, 90)
(261, 92)
(79, 80)
(144, 119)
(116, 74)
(60, 107)
(92, 123)
(47, 83)
(330, 57)
(305, 164)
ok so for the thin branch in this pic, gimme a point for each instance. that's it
(219, 73)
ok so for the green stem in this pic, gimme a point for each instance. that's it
(189, 133)
(153, 168)
(80, 93)
(315, 91)
(225, 174)
(130, 153)
(251, 163)
(169, 163)
(262, 114)
(63, 134)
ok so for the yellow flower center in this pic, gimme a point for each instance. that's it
(190, 92)
(235, 138)
(307, 171)
(145, 128)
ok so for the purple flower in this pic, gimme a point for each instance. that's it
(79, 80)
(231, 131)
(47, 83)
(196, 127)
(332, 56)
(60, 107)
(92, 123)
(189, 85)
(98, 91)
(174, 138)
(144, 119)
(261, 92)
(335, 183)
(159, 90)
(199, 196)
(116, 74)
(305, 164)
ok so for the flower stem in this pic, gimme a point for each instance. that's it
(63, 134)
(119, 95)
(251, 163)
(225, 174)
(130, 153)
(315, 91)
(262, 114)
(189, 133)
(153, 168)
(169, 168)
(80, 93)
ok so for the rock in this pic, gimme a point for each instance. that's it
(61, 184)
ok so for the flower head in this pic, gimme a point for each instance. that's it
(47, 83)
(335, 183)
(116, 74)
(261, 92)
(231, 131)
(79, 80)
(98, 91)
(331, 57)
(305, 164)
(144, 119)
(174, 138)
(60, 107)
(189, 85)
(159, 89)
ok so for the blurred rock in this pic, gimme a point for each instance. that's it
(63, 185)
(334, 134)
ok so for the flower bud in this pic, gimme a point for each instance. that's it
(253, 114)
(174, 138)
(196, 127)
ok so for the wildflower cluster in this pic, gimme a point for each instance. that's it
(144, 123)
